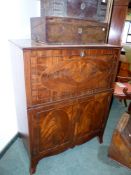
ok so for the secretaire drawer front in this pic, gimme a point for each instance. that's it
(67, 73)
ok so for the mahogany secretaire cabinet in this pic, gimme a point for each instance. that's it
(62, 93)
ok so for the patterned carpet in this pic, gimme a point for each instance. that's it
(87, 159)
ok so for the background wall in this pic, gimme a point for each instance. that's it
(15, 24)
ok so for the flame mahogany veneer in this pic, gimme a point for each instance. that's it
(68, 92)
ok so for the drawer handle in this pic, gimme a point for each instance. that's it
(103, 29)
(82, 54)
(80, 31)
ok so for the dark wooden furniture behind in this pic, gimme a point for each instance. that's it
(122, 90)
(112, 15)
(72, 22)
(120, 147)
(68, 92)
(97, 10)
(123, 69)
(61, 30)
(119, 12)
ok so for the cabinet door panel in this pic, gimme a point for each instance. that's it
(52, 127)
(68, 73)
(92, 114)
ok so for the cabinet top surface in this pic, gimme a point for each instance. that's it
(30, 44)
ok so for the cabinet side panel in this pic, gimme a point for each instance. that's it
(27, 73)
(19, 91)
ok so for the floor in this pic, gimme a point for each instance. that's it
(87, 159)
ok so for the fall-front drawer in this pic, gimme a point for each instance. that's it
(67, 73)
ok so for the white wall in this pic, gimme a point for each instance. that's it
(14, 24)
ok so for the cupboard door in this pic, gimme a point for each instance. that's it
(91, 115)
(51, 128)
